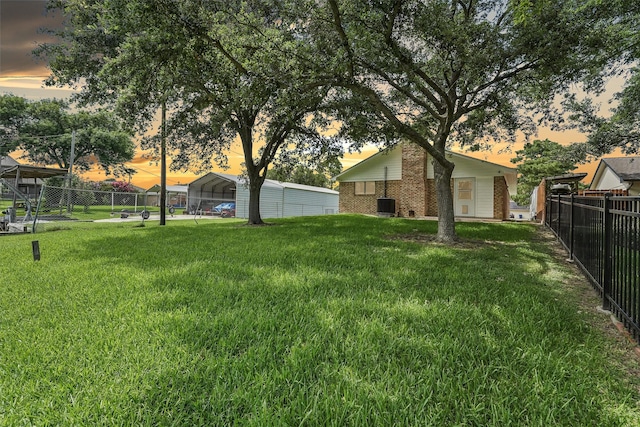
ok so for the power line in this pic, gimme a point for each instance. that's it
(40, 136)
(152, 173)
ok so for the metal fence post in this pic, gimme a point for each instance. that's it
(559, 215)
(606, 285)
(547, 210)
(38, 208)
(571, 214)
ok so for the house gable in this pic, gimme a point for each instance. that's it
(373, 168)
(608, 180)
(468, 167)
(617, 173)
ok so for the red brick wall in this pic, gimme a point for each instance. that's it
(500, 198)
(432, 201)
(349, 202)
(413, 192)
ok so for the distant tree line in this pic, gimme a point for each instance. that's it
(43, 131)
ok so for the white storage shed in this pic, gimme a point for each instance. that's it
(277, 199)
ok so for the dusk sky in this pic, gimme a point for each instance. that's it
(21, 29)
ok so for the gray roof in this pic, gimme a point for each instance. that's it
(268, 183)
(363, 162)
(567, 177)
(627, 168)
(170, 189)
(28, 171)
(10, 168)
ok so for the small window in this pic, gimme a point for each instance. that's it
(365, 188)
(465, 190)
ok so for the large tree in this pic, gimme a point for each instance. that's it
(12, 116)
(469, 71)
(618, 128)
(227, 71)
(43, 130)
(309, 163)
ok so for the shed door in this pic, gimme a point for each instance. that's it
(465, 196)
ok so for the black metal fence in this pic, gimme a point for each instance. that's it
(602, 236)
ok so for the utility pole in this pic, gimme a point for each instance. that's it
(71, 160)
(163, 164)
(72, 155)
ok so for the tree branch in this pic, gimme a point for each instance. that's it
(337, 21)
(392, 20)
(409, 94)
(401, 127)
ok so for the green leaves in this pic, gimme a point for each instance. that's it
(432, 72)
(541, 159)
(43, 129)
(616, 36)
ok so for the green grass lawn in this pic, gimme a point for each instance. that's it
(312, 321)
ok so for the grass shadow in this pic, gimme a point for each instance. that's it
(317, 321)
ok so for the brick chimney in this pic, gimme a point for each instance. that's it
(413, 192)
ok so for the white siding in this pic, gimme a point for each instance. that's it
(372, 169)
(609, 181)
(303, 202)
(242, 202)
(277, 201)
(270, 202)
(484, 197)
(483, 172)
(467, 166)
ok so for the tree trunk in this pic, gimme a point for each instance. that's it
(444, 197)
(255, 185)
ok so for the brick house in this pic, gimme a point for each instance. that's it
(481, 189)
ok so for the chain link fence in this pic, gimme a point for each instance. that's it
(16, 207)
(268, 208)
(56, 205)
(60, 204)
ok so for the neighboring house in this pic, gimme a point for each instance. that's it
(277, 199)
(176, 196)
(618, 173)
(481, 189)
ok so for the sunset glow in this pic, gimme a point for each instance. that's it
(21, 75)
